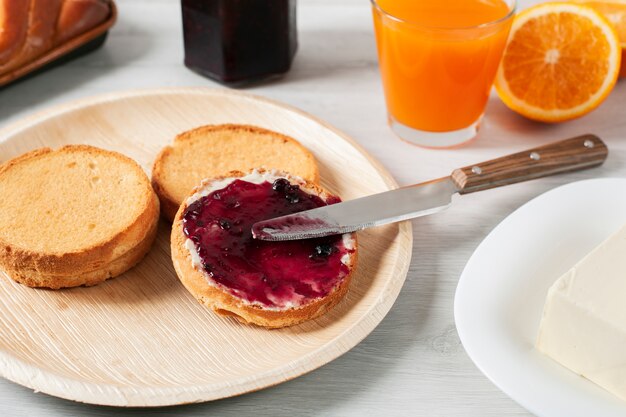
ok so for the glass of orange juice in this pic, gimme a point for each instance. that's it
(438, 60)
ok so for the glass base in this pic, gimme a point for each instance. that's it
(435, 139)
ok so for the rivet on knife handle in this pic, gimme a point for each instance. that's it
(581, 152)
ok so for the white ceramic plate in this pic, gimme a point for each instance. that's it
(500, 296)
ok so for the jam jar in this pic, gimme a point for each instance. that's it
(239, 41)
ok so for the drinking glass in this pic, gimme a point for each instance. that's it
(438, 60)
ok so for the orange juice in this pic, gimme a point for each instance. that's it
(438, 59)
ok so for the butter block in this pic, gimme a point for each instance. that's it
(584, 319)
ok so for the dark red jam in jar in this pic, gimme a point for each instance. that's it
(239, 41)
(277, 275)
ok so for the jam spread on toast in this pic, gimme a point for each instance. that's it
(270, 274)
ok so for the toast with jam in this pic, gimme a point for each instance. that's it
(270, 284)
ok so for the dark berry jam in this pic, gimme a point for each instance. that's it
(272, 274)
(237, 41)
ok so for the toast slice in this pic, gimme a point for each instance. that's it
(270, 284)
(74, 216)
(214, 150)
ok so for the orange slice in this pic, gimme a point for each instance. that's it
(615, 12)
(561, 62)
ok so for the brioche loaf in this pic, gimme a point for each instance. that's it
(74, 216)
(270, 284)
(30, 28)
(211, 151)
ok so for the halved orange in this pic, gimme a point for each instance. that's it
(561, 62)
(615, 12)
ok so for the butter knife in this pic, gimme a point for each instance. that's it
(430, 197)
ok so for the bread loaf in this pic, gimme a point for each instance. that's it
(14, 24)
(30, 28)
(78, 16)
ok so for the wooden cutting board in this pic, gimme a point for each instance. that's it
(141, 339)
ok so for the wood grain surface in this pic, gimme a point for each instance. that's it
(413, 363)
(567, 155)
(141, 339)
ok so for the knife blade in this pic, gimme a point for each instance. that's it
(374, 210)
(430, 197)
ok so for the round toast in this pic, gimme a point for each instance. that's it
(74, 216)
(214, 150)
(224, 302)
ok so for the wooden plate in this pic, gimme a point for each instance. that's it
(141, 339)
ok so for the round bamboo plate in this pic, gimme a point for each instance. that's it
(141, 339)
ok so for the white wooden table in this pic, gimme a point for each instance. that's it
(413, 363)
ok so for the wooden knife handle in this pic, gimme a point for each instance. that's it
(581, 152)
